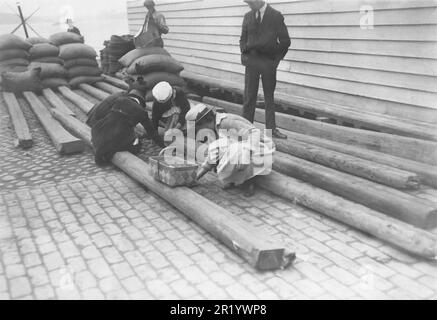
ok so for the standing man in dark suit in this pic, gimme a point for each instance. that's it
(264, 43)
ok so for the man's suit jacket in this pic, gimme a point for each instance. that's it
(268, 42)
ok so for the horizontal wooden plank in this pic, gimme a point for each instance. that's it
(375, 72)
(418, 16)
(297, 7)
(230, 80)
(423, 99)
(426, 50)
(414, 66)
(390, 33)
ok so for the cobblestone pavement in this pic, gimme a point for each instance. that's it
(70, 230)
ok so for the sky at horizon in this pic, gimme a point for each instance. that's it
(61, 9)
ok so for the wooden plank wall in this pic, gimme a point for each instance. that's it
(391, 68)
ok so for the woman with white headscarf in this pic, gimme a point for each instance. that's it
(240, 153)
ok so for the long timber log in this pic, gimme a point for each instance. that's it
(79, 101)
(56, 102)
(116, 82)
(108, 87)
(410, 209)
(404, 147)
(397, 233)
(24, 137)
(246, 241)
(426, 173)
(63, 141)
(393, 231)
(373, 171)
(94, 92)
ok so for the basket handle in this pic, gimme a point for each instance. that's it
(164, 150)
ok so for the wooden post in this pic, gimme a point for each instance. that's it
(116, 82)
(23, 21)
(57, 103)
(246, 241)
(24, 138)
(94, 92)
(373, 171)
(79, 101)
(108, 87)
(400, 205)
(426, 173)
(63, 141)
(397, 233)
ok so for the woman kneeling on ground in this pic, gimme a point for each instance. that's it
(240, 153)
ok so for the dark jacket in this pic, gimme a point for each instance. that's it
(180, 101)
(113, 123)
(74, 30)
(270, 40)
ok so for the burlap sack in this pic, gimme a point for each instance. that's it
(133, 55)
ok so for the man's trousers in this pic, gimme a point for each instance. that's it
(266, 69)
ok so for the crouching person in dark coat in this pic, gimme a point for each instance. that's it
(113, 123)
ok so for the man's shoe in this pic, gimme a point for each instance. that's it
(279, 135)
(249, 190)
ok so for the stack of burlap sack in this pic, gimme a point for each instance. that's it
(79, 59)
(154, 65)
(14, 62)
(116, 48)
(44, 55)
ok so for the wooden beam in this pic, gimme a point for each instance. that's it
(404, 147)
(63, 141)
(94, 92)
(410, 209)
(248, 242)
(56, 102)
(24, 138)
(373, 171)
(108, 87)
(393, 231)
(426, 173)
(374, 121)
(79, 101)
(116, 82)
(397, 233)
(73, 125)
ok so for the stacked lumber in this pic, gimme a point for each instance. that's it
(403, 147)
(367, 177)
(393, 231)
(248, 242)
(400, 205)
